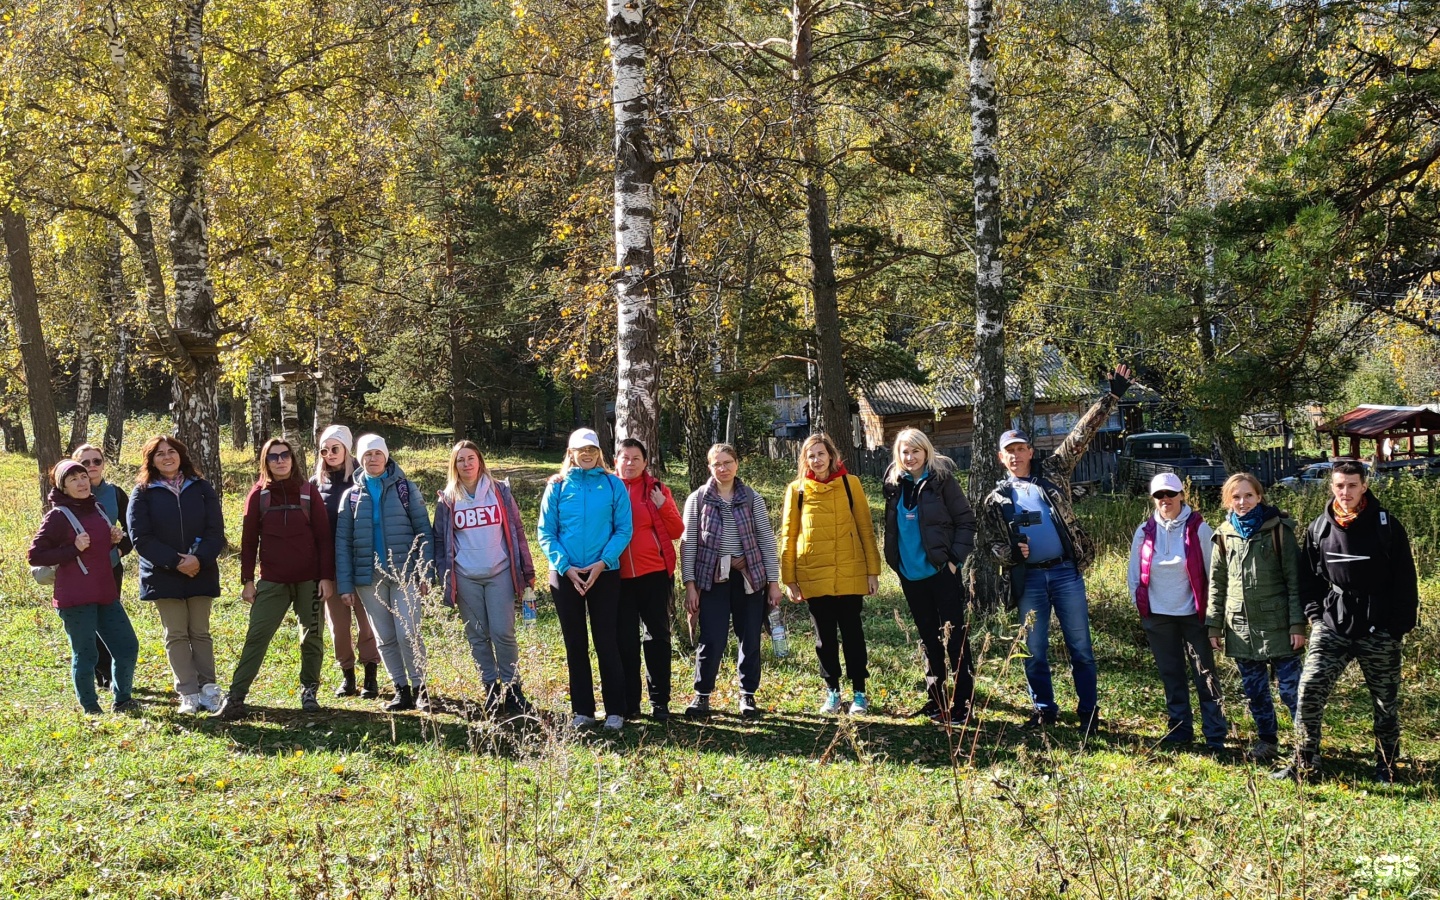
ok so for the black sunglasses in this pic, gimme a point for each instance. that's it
(92, 463)
(1165, 495)
(278, 456)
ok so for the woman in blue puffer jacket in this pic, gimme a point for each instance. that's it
(585, 525)
(384, 555)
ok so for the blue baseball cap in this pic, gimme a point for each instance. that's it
(1013, 436)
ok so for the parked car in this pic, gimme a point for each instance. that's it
(1144, 456)
(1314, 474)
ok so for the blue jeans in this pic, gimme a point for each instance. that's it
(111, 624)
(1255, 681)
(1060, 588)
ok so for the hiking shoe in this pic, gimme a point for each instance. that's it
(1304, 768)
(422, 699)
(211, 698)
(1041, 719)
(1091, 723)
(233, 709)
(930, 710)
(699, 708)
(494, 698)
(748, 709)
(404, 700)
(582, 722)
(832, 705)
(347, 684)
(308, 701)
(371, 689)
(514, 700)
(94, 710)
(614, 723)
(189, 704)
(127, 706)
(1262, 751)
(660, 712)
(860, 705)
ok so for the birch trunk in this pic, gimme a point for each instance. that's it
(833, 415)
(239, 422)
(989, 292)
(119, 350)
(327, 398)
(84, 384)
(290, 410)
(258, 383)
(25, 300)
(637, 334)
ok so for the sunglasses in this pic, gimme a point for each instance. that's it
(92, 463)
(278, 456)
(1165, 495)
(331, 451)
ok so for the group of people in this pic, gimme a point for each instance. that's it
(357, 541)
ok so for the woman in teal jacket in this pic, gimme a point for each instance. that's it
(384, 555)
(584, 527)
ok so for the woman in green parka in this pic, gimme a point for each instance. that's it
(1255, 604)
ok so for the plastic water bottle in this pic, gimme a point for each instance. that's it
(779, 642)
(527, 607)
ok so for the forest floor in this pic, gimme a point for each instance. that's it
(356, 803)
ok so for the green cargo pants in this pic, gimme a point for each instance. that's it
(272, 601)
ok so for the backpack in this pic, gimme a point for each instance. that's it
(46, 574)
(303, 505)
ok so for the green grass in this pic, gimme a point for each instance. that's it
(355, 803)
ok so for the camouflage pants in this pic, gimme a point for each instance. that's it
(1379, 659)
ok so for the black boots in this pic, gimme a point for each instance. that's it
(347, 687)
(1386, 756)
(404, 700)
(371, 690)
(1304, 768)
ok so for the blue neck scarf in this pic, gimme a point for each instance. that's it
(1249, 524)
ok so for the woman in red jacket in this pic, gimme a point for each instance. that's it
(287, 527)
(76, 537)
(647, 574)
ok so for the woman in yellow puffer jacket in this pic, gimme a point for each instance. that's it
(829, 561)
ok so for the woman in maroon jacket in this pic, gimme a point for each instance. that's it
(287, 527)
(75, 537)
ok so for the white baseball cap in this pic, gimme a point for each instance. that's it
(1166, 481)
(584, 437)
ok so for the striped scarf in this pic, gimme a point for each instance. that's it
(1343, 518)
(712, 526)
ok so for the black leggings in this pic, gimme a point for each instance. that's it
(842, 613)
(602, 606)
(937, 604)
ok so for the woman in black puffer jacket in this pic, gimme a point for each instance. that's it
(929, 533)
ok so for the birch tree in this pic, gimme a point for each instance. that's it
(989, 386)
(637, 334)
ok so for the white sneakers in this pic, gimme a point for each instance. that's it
(581, 722)
(210, 698)
(832, 705)
(614, 723)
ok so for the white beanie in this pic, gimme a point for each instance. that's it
(338, 433)
(370, 442)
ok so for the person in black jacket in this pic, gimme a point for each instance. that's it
(179, 533)
(929, 533)
(1361, 594)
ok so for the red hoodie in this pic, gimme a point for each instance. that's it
(290, 548)
(652, 545)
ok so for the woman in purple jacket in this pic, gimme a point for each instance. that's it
(76, 537)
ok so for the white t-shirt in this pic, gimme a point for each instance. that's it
(479, 540)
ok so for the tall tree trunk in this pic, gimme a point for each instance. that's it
(197, 326)
(119, 350)
(239, 421)
(290, 409)
(44, 424)
(459, 395)
(732, 419)
(989, 292)
(327, 396)
(84, 383)
(1027, 393)
(259, 384)
(637, 334)
(833, 416)
(602, 423)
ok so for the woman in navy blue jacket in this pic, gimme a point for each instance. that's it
(179, 533)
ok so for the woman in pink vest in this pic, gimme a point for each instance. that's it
(1169, 570)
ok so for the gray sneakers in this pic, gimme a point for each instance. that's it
(308, 700)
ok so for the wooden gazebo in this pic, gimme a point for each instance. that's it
(1388, 427)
